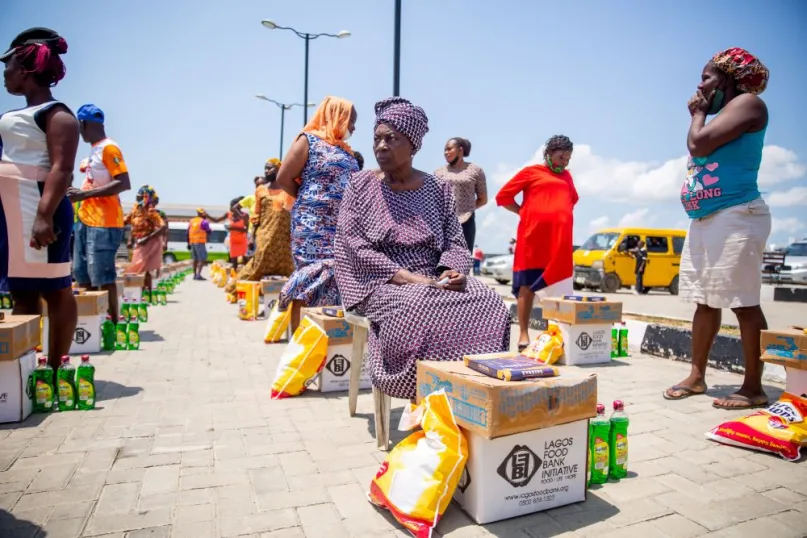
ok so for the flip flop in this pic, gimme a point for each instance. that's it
(522, 347)
(686, 392)
(756, 402)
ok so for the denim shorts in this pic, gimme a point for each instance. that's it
(199, 252)
(94, 253)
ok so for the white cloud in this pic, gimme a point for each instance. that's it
(599, 223)
(639, 218)
(790, 225)
(779, 165)
(794, 196)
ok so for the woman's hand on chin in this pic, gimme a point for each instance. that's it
(456, 280)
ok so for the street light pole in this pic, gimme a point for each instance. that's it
(396, 76)
(271, 25)
(305, 84)
(283, 108)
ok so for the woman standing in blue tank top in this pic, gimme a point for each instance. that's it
(730, 223)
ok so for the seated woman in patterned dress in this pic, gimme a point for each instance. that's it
(402, 261)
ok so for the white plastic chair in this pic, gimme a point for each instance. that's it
(381, 401)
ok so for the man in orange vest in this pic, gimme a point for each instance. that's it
(198, 228)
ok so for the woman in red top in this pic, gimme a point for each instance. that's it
(543, 257)
(237, 224)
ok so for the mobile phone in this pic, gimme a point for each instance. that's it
(443, 282)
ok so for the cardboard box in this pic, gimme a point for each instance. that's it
(524, 473)
(89, 303)
(273, 286)
(585, 344)
(581, 312)
(788, 348)
(495, 408)
(15, 388)
(86, 338)
(335, 375)
(134, 281)
(18, 336)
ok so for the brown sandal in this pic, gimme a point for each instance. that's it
(686, 392)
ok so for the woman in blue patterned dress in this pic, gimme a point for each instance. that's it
(323, 162)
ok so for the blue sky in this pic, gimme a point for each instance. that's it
(177, 81)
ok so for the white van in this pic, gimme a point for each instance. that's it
(218, 247)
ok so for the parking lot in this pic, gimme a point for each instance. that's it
(662, 304)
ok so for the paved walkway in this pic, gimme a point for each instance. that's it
(187, 444)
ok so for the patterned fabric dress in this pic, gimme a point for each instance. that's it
(272, 239)
(313, 225)
(382, 231)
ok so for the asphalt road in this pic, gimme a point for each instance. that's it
(656, 303)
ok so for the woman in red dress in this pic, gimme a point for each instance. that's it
(543, 259)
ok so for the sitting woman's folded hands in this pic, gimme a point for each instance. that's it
(456, 281)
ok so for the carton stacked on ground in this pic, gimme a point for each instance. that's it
(585, 327)
(335, 375)
(270, 290)
(19, 335)
(788, 348)
(133, 288)
(527, 439)
(92, 311)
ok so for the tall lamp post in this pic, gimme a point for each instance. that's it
(283, 108)
(396, 76)
(271, 25)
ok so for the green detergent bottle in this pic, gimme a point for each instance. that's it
(108, 335)
(66, 379)
(124, 310)
(161, 295)
(6, 300)
(85, 384)
(618, 441)
(623, 340)
(614, 342)
(121, 336)
(146, 297)
(133, 333)
(155, 300)
(599, 428)
(43, 387)
(143, 312)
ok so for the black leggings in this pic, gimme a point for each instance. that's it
(469, 231)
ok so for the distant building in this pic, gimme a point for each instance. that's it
(183, 212)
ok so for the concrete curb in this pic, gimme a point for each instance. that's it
(790, 295)
(675, 343)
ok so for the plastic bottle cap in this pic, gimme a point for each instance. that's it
(85, 358)
(619, 405)
(600, 409)
(43, 360)
(65, 359)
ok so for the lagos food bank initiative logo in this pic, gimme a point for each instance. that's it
(338, 365)
(519, 466)
(584, 341)
(81, 336)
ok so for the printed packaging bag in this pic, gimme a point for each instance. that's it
(302, 361)
(277, 324)
(418, 479)
(547, 347)
(780, 429)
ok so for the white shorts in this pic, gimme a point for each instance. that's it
(721, 265)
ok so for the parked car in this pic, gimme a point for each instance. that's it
(501, 268)
(794, 269)
(603, 261)
(217, 245)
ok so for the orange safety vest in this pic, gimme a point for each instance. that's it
(196, 235)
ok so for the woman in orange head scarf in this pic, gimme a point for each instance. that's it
(323, 161)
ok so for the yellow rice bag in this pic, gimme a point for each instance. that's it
(277, 324)
(548, 347)
(418, 479)
(302, 361)
(780, 429)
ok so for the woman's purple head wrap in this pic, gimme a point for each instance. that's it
(404, 117)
